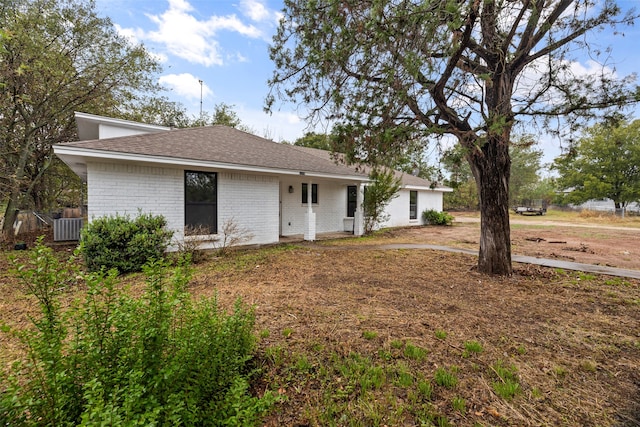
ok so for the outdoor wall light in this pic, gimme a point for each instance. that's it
(291, 189)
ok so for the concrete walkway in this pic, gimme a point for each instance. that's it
(553, 263)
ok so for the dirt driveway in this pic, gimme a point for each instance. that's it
(608, 245)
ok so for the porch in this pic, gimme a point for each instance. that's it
(298, 238)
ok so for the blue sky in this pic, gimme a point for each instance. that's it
(225, 43)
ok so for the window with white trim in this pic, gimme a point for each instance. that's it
(413, 204)
(352, 200)
(314, 193)
(200, 202)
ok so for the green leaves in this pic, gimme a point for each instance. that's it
(57, 57)
(123, 243)
(378, 194)
(603, 164)
(117, 359)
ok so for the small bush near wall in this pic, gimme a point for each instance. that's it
(433, 217)
(123, 243)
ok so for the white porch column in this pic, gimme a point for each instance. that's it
(358, 216)
(310, 216)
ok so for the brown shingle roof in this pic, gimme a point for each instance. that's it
(407, 179)
(219, 144)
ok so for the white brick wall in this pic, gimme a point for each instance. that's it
(399, 207)
(252, 202)
(330, 210)
(124, 189)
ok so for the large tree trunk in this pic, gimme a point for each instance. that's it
(491, 165)
(10, 215)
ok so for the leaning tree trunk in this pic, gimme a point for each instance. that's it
(491, 165)
(10, 215)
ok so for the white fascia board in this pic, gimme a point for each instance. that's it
(423, 188)
(91, 126)
(119, 122)
(86, 154)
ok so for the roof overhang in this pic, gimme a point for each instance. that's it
(428, 188)
(92, 127)
(77, 158)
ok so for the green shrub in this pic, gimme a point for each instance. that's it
(433, 217)
(123, 243)
(113, 359)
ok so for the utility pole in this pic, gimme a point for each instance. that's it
(200, 81)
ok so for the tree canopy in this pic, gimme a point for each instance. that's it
(525, 182)
(320, 141)
(57, 57)
(604, 163)
(525, 169)
(392, 72)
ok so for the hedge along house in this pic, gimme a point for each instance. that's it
(201, 178)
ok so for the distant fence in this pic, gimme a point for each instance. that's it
(66, 229)
(632, 210)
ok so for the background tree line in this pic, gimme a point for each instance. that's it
(57, 57)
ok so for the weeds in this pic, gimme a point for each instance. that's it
(402, 375)
(369, 335)
(471, 347)
(414, 352)
(425, 389)
(116, 359)
(507, 385)
(446, 377)
(397, 344)
(287, 332)
(459, 404)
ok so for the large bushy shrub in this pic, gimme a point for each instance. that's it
(114, 359)
(124, 243)
(433, 217)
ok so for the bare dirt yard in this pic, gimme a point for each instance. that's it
(349, 334)
(601, 241)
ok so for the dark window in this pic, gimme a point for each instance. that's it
(314, 193)
(200, 202)
(352, 200)
(413, 204)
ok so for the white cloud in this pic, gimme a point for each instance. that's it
(255, 10)
(132, 34)
(182, 34)
(160, 57)
(279, 126)
(186, 85)
(533, 79)
(237, 57)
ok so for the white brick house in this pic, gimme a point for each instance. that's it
(208, 175)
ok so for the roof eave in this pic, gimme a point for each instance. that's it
(428, 188)
(69, 153)
(88, 125)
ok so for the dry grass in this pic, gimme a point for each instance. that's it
(339, 330)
